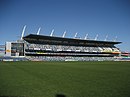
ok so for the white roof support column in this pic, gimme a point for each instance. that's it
(38, 31)
(23, 32)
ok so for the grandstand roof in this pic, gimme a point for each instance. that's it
(52, 40)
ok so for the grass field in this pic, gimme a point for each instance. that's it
(71, 79)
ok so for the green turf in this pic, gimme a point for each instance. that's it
(72, 79)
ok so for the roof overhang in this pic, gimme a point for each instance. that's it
(52, 40)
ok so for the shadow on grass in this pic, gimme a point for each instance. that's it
(57, 95)
(60, 95)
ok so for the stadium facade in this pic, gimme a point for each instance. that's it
(37, 47)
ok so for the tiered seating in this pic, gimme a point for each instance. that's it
(72, 51)
(50, 58)
(63, 48)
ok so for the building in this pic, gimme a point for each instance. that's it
(51, 48)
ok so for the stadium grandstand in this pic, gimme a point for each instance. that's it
(37, 47)
(50, 48)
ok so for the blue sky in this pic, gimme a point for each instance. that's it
(102, 17)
